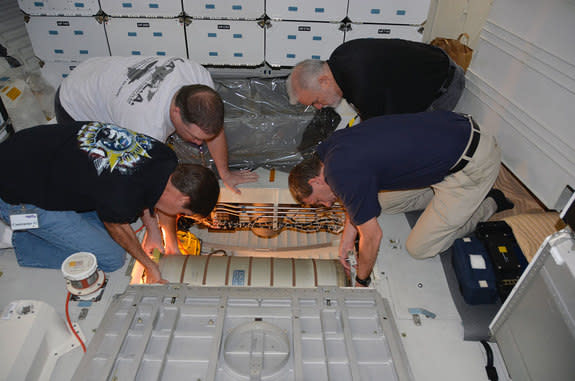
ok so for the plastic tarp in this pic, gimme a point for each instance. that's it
(262, 128)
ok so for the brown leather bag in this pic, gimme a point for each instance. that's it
(457, 49)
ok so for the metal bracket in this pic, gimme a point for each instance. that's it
(184, 19)
(265, 23)
(345, 26)
(420, 311)
(101, 17)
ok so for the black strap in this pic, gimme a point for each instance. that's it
(364, 282)
(468, 153)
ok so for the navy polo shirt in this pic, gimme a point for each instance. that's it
(391, 152)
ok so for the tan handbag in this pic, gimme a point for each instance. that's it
(458, 50)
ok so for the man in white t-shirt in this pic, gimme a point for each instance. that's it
(155, 96)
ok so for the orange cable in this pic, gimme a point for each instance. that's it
(70, 324)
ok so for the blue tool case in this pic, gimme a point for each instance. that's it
(474, 271)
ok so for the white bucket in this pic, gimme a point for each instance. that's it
(82, 274)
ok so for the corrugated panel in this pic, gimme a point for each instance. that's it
(521, 87)
(14, 38)
(212, 333)
(286, 241)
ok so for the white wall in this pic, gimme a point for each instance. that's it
(521, 87)
(449, 18)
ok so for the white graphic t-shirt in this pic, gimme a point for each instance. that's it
(131, 92)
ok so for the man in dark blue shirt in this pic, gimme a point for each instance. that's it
(438, 161)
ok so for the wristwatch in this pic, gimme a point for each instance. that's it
(364, 282)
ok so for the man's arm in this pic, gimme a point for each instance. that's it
(369, 240)
(218, 148)
(124, 235)
(166, 242)
(153, 238)
(347, 242)
(170, 227)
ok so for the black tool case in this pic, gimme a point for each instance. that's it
(504, 252)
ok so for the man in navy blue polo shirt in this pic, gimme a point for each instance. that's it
(437, 161)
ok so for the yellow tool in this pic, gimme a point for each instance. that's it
(156, 254)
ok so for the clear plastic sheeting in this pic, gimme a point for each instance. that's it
(262, 128)
(27, 97)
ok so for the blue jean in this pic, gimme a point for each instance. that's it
(448, 100)
(60, 234)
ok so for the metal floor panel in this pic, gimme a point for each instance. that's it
(174, 332)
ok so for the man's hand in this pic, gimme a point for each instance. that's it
(233, 178)
(124, 235)
(153, 274)
(344, 251)
(153, 237)
(167, 243)
(151, 242)
(347, 244)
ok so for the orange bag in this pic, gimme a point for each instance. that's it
(458, 50)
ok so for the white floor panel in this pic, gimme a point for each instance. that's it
(435, 349)
(437, 352)
(412, 283)
(177, 332)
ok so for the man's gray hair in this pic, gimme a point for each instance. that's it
(307, 73)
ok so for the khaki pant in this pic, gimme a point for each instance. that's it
(453, 207)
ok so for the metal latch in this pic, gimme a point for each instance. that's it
(416, 312)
